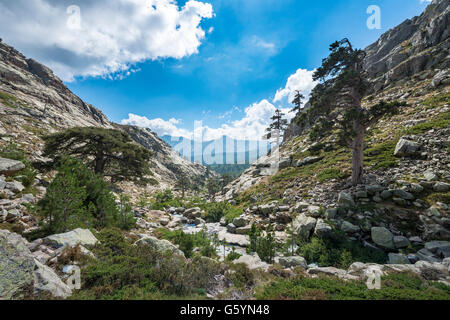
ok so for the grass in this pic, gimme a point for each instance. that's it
(10, 101)
(438, 122)
(381, 156)
(437, 100)
(401, 286)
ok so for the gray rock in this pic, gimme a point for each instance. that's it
(27, 198)
(398, 258)
(231, 228)
(331, 213)
(386, 194)
(401, 242)
(306, 161)
(373, 189)
(427, 255)
(348, 227)
(243, 230)
(406, 148)
(159, 245)
(284, 163)
(304, 225)
(9, 166)
(440, 248)
(295, 261)
(382, 237)
(345, 200)
(403, 194)
(430, 175)
(14, 186)
(72, 238)
(416, 188)
(322, 229)
(23, 276)
(361, 194)
(252, 261)
(240, 222)
(441, 187)
(314, 211)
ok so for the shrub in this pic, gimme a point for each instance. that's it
(79, 198)
(124, 271)
(401, 286)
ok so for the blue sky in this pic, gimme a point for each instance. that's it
(248, 51)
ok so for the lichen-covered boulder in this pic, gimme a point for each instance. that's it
(9, 166)
(72, 238)
(159, 245)
(21, 275)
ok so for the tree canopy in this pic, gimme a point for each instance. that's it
(108, 152)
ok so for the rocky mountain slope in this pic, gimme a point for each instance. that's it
(406, 190)
(33, 102)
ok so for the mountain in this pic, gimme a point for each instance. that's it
(34, 102)
(229, 151)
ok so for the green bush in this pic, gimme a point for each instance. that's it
(216, 210)
(187, 242)
(338, 252)
(165, 199)
(263, 244)
(401, 286)
(124, 271)
(79, 198)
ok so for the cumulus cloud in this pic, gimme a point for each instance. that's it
(102, 37)
(301, 80)
(251, 127)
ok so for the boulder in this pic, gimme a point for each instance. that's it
(252, 261)
(430, 175)
(348, 227)
(304, 225)
(295, 261)
(240, 222)
(322, 229)
(345, 200)
(398, 258)
(306, 161)
(402, 194)
(382, 237)
(72, 238)
(21, 275)
(401, 242)
(441, 187)
(14, 186)
(440, 248)
(159, 245)
(9, 166)
(284, 163)
(406, 148)
(314, 211)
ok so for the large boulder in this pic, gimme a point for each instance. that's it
(159, 245)
(383, 237)
(348, 227)
(252, 262)
(9, 166)
(345, 200)
(398, 258)
(304, 225)
(406, 148)
(295, 261)
(72, 238)
(21, 275)
(323, 229)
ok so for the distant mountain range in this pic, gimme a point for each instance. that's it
(224, 150)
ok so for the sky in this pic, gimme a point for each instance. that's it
(166, 64)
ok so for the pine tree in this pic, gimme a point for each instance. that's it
(298, 101)
(277, 126)
(343, 85)
(110, 153)
(183, 184)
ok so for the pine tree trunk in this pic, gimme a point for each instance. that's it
(358, 154)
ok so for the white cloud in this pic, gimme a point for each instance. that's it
(252, 126)
(111, 36)
(422, 1)
(160, 126)
(301, 80)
